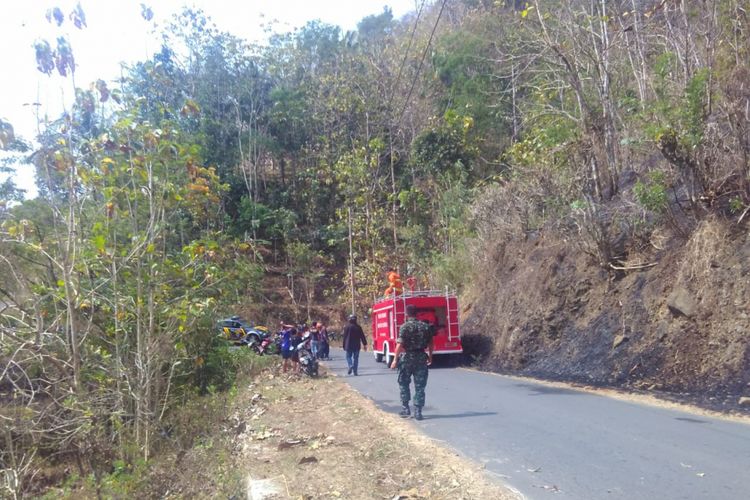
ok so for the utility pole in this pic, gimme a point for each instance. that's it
(351, 259)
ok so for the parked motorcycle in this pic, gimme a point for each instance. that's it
(307, 361)
(263, 346)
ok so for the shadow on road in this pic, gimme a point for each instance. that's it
(429, 415)
(692, 420)
(364, 373)
(435, 416)
(544, 390)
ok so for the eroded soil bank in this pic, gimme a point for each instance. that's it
(678, 325)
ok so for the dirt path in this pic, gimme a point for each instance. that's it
(302, 438)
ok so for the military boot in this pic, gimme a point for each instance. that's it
(418, 413)
(405, 413)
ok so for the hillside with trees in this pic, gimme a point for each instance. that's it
(578, 170)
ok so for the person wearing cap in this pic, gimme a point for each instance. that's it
(414, 338)
(354, 339)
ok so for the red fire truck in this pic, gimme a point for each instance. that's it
(440, 309)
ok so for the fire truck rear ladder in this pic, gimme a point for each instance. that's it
(451, 313)
(398, 316)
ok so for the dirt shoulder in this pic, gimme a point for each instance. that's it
(303, 438)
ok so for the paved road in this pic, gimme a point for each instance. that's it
(551, 442)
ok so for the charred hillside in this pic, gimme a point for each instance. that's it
(679, 326)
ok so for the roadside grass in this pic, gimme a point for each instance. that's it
(191, 454)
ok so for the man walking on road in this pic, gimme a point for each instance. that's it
(354, 337)
(414, 337)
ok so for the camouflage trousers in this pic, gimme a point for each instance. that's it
(412, 364)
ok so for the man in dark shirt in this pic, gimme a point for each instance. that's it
(354, 338)
(414, 337)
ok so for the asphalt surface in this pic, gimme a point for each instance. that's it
(552, 442)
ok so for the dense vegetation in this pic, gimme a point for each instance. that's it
(172, 193)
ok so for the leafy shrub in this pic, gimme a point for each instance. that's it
(652, 195)
(220, 366)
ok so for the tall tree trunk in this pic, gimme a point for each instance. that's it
(394, 197)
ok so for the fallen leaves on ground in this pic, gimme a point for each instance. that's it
(289, 416)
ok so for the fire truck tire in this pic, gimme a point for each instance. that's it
(378, 357)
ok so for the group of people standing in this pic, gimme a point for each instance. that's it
(292, 336)
(319, 340)
(412, 357)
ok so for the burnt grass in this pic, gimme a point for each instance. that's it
(546, 310)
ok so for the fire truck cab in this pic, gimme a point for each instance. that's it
(440, 309)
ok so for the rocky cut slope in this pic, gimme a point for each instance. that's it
(679, 325)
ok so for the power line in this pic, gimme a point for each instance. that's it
(406, 54)
(421, 63)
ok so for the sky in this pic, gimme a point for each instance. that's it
(117, 33)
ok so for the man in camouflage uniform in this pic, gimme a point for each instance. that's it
(414, 337)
